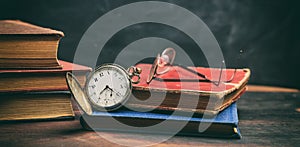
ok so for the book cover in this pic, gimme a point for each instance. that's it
(40, 80)
(27, 46)
(224, 125)
(17, 27)
(193, 96)
(241, 76)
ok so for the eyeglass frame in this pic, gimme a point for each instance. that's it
(154, 67)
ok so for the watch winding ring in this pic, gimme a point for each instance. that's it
(134, 74)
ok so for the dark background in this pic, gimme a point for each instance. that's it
(266, 30)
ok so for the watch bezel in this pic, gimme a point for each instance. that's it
(125, 98)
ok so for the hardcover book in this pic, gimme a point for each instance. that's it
(36, 105)
(40, 80)
(23, 45)
(224, 125)
(188, 96)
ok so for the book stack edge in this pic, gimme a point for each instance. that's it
(33, 85)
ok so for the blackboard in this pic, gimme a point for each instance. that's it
(267, 32)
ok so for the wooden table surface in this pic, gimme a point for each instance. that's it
(269, 117)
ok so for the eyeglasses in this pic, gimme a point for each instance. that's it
(164, 62)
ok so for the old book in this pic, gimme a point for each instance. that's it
(224, 125)
(32, 106)
(188, 96)
(40, 80)
(23, 45)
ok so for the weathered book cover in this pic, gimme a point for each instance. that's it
(224, 125)
(199, 97)
(17, 27)
(40, 80)
(27, 46)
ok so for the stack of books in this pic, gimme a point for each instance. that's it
(32, 79)
(173, 102)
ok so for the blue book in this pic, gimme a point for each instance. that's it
(224, 125)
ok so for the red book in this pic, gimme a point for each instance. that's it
(189, 96)
(40, 80)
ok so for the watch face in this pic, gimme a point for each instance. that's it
(108, 87)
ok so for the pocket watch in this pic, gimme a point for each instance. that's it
(107, 88)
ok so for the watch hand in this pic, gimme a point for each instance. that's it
(117, 93)
(110, 88)
(102, 92)
(104, 89)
